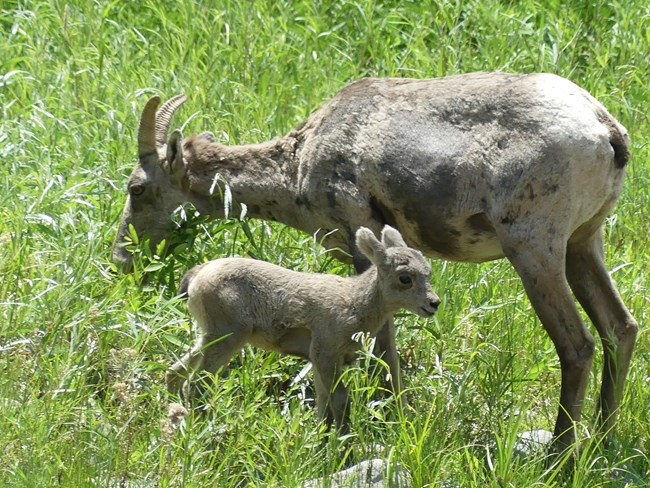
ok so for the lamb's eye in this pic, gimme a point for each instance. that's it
(137, 190)
(405, 279)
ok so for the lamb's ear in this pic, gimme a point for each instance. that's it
(391, 237)
(370, 246)
(175, 160)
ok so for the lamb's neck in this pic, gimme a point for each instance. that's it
(261, 176)
(370, 302)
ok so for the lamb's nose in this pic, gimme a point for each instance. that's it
(435, 303)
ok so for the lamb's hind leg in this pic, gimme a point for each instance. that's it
(180, 371)
(617, 328)
(209, 353)
(541, 266)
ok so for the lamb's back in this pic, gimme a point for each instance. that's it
(260, 294)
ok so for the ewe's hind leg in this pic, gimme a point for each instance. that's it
(541, 266)
(617, 328)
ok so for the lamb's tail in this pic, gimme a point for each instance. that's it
(186, 280)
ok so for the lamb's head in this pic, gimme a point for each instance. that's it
(154, 187)
(403, 272)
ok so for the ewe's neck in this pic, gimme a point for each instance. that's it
(262, 176)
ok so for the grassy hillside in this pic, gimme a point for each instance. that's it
(83, 351)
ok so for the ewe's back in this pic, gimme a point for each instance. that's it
(448, 161)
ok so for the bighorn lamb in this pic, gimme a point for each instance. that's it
(469, 168)
(239, 301)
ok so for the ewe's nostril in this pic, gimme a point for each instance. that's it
(434, 304)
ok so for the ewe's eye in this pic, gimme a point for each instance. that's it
(137, 190)
(405, 279)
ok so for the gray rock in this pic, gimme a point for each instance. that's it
(533, 442)
(373, 473)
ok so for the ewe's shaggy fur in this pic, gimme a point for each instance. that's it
(469, 168)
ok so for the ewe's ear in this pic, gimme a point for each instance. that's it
(369, 246)
(207, 135)
(175, 160)
(391, 237)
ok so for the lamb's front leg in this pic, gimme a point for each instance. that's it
(331, 394)
(385, 346)
(386, 349)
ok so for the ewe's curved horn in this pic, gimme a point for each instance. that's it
(164, 117)
(146, 132)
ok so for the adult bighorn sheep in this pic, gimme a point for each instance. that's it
(236, 301)
(469, 168)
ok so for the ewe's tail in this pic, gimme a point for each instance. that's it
(187, 279)
(619, 141)
(618, 138)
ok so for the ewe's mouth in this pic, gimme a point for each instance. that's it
(426, 312)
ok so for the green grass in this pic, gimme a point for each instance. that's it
(83, 351)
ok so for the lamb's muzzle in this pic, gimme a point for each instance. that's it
(432, 308)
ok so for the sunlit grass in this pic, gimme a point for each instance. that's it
(83, 351)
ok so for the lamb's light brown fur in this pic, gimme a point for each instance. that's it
(469, 168)
(316, 316)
